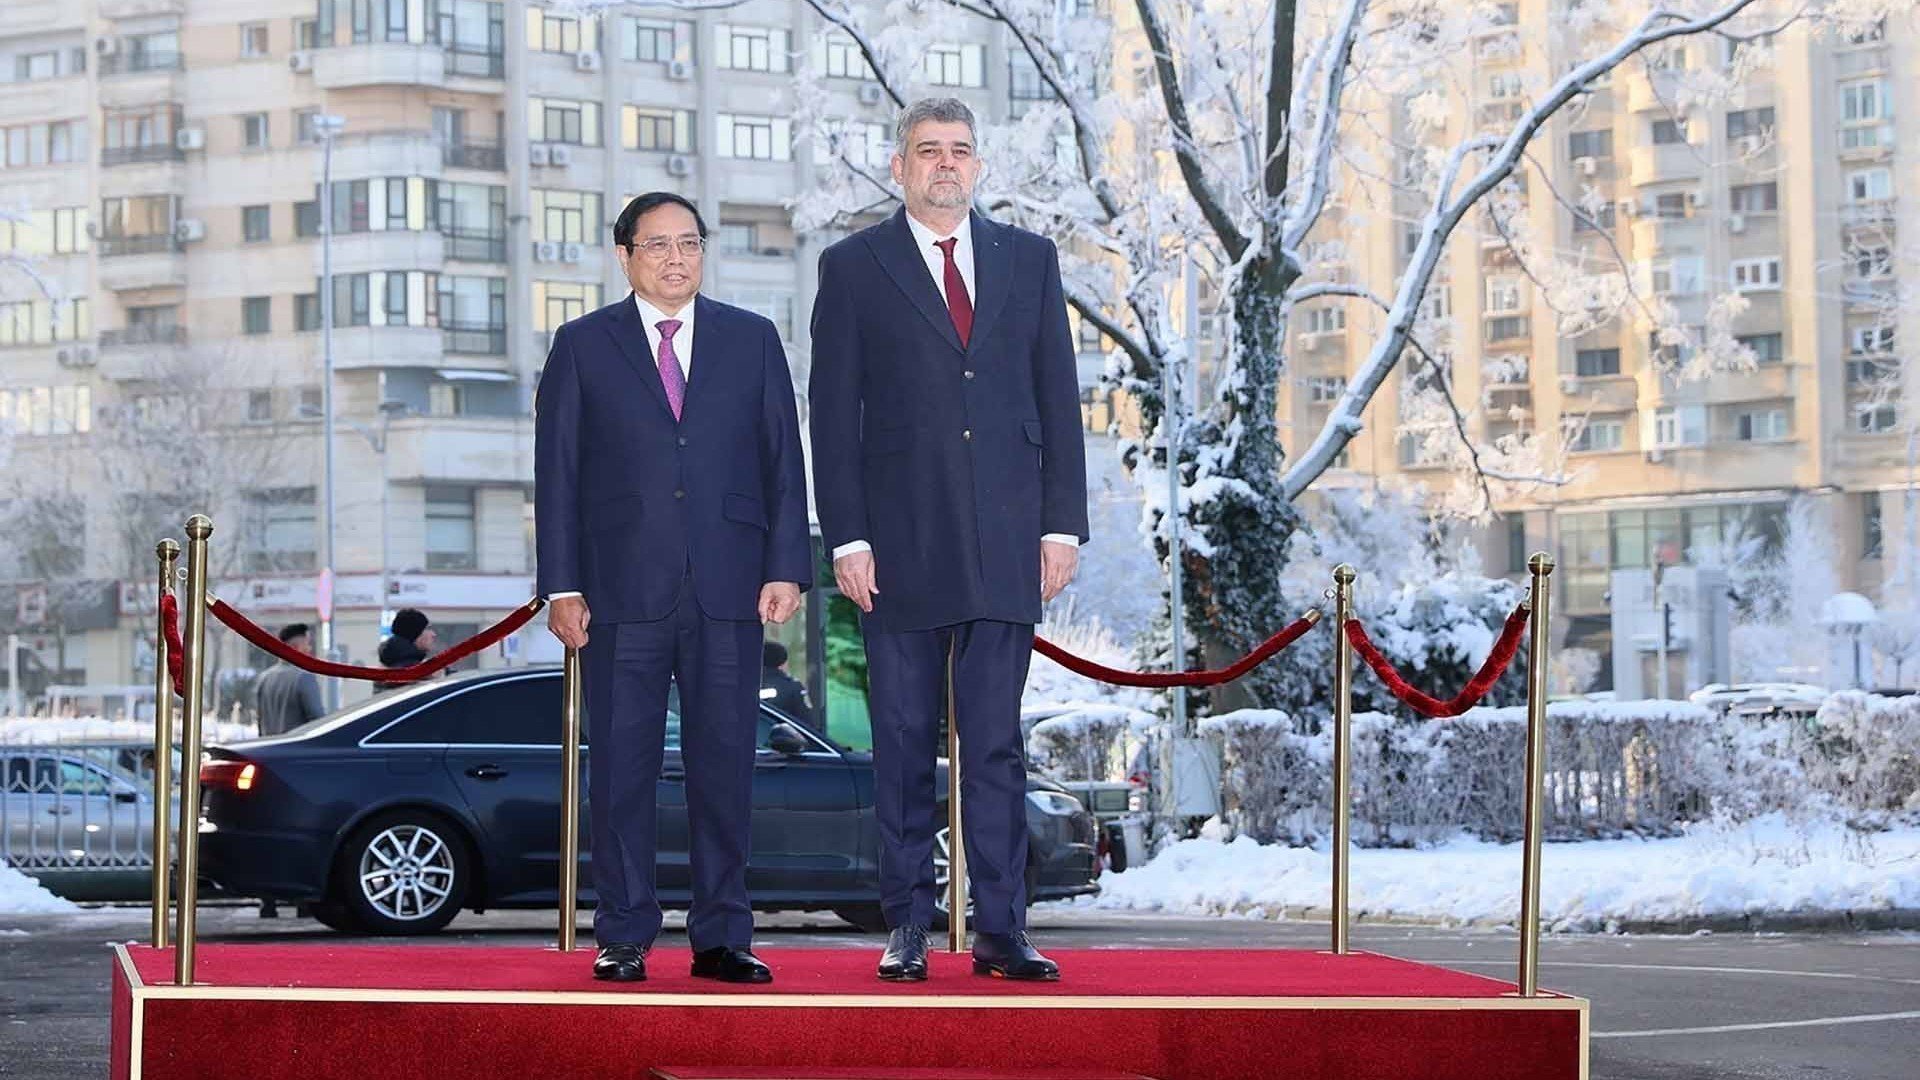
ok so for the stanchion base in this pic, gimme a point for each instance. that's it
(455, 1013)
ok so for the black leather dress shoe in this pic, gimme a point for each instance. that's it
(1011, 956)
(621, 962)
(731, 965)
(906, 957)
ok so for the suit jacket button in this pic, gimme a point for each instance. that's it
(967, 434)
(968, 374)
(680, 494)
(682, 440)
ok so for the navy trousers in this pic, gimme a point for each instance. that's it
(907, 674)
(628, 667)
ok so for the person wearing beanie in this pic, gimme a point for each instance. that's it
(412, 640)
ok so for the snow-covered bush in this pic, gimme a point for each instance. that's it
(1863, 752)
(1275, 781)
(1088, 742)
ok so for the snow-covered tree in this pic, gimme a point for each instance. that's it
(1236, 139)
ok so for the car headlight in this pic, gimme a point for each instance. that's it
(1057, 803)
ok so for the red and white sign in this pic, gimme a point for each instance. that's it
(323, 595)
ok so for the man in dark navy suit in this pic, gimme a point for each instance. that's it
(670, 501)
(951, 484)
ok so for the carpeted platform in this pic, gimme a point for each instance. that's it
(465, 1013)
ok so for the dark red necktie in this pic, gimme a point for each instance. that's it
(959, 304)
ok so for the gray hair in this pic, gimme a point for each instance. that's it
(941, 110)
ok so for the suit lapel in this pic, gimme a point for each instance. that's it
(707, 351)
(893, 245)
(630, 334)
(992, 276)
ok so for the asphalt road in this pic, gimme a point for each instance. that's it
(1703, 1007)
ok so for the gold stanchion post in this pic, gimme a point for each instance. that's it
(1343, 576)
(570, 799)
(194, 646)
(1539, 595)
(956, 848)
(168, 553)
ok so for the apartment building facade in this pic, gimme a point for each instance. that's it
(165, 158)
(1785, 195)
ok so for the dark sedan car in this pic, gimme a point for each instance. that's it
(394, 815)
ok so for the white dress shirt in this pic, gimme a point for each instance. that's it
(650, 317)
(927, 241)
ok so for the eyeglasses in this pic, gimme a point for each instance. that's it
(689, 246)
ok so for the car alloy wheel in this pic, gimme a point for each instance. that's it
(406, 872)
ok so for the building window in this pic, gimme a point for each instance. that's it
(548, 32)
(253, 41)
(775, 304)
(1671, 206)
(857, 141)
(1324, 319)
(842, 59)
(256, 315)
(558, 120)
(1751, 275)
(306, 34)
(253, 131)
(306, 131)
(1590, 144)
(1863, 102)
(956, 65)
(1875, 419)
(1325, 389)
(1505, 294)
(1742, 123)
(1754, 198)
(1506, 328)
(655, 41)
(1599, 434)
(256, 224)
(1872, 539)
(450, 528)
(1767, 348)
(1594, 363)
(44, 322)
(284, 529)
(60, 231)
(557, 302)
(1601, 221)
(1680, 425)
(1761, 425)
(567, 217)
(259, 406)
(1669, 132)
(1873, 340)
(29, 67)
(1869, 185)
(751, 48)
(760, 138)
(646, 128)
(57, 143)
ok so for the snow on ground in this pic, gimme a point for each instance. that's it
(1769, 865)
(21, 895)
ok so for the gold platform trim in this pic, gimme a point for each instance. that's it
(143, 992)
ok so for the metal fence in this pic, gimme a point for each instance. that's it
(79, 816)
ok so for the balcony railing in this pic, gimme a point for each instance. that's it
(478, 338)
(137, 245)
(476, 61)
(129, 155)
(134, 63)
(1867, 213)
(474, 246)
(144, 335)
(474, 154)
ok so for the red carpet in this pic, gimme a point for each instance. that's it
(465, 1013)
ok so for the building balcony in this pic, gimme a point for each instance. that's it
(1868, 214)
(134, 9)
(1870, 296)
(141, 262)
(466, 449)
(1653, 234)
(379, 63)
(474, 339)
(1652, 90)
(1599, 393)
(27, 102)
(471, 246)
(475, 62)
(485, 155)
(398, 152)
(133, 80)
(385, 346)
(1863, 143)
(135, 155)
(1763, 382)
(137, 352)
(388, 249)
(1651, 164)
(162, 176)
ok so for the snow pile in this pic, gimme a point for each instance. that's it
(49, 730)
(1766, 866)
(1088, 741)
(21, 895)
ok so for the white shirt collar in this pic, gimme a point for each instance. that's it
(652, 315)
(924, 237)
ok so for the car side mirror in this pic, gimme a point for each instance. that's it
(786, 739)
(126, 797)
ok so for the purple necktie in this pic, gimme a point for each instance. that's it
(670, 376)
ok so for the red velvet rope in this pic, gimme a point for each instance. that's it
(170, 628)
(260, 638)
(1165, 679)
(1469, 695)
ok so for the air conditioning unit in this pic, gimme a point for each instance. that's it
(679, 165)
(560, 156)
(300, 62)
(1736, 223)
(187, 230)
(870, 93)
(1627, 207)
(586, 61)
(76, 356)
(1747, 144)
(1696, 200)
(1656, 455)
(537, 153)
(1585, 166)
(106, 45)
(572, 253)
(192, 138)
(679, 69)
(546, 251)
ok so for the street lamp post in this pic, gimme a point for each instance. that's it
(325, 127)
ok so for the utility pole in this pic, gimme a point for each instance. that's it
(325, 127)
